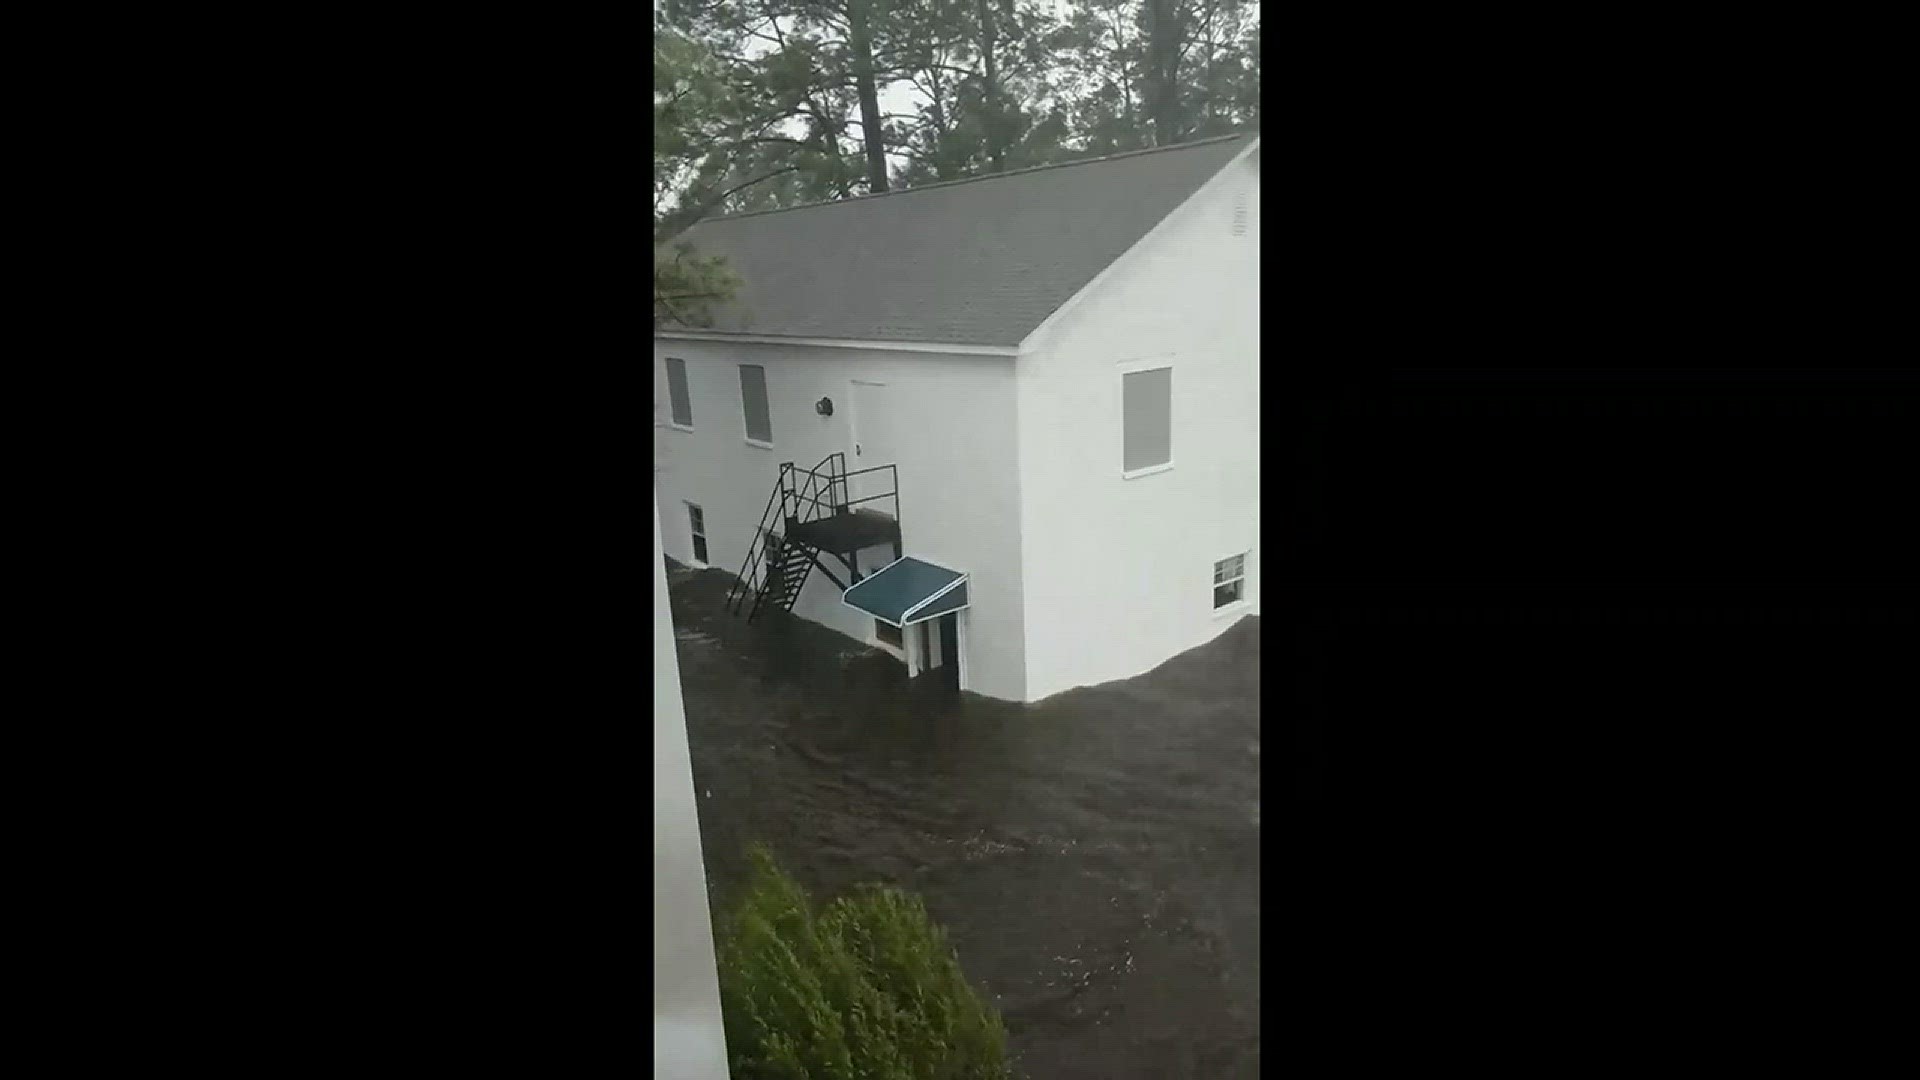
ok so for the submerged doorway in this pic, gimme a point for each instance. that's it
(949, 672)
(937, 650)
(927, 602)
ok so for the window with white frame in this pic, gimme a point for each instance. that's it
(1146, 407)
(1229, 581)
(753, 401)
(678, 400)
(697, 524)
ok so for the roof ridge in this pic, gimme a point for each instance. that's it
(988, 176)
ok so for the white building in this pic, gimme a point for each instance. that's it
(689, 1037)
(1042, 389)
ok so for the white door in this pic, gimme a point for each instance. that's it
(871, 425)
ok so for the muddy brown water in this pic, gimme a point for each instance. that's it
(1094, 857)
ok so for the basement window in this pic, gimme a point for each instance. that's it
(753, 402)
(681, 404)
(888, 634)
(1229, 581)
(1146, 407)
(697, 524)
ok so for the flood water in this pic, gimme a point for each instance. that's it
(1095, 858)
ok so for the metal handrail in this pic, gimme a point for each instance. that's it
(819, 483)
(748, 579)
(839, 480)
(821, 480)
(754, 570)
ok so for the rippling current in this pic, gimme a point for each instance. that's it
(1095, 857)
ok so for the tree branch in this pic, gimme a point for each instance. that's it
(677, 224)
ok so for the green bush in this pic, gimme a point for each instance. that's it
(866, 989)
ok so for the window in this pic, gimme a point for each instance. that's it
(677, 393)
(888, 634)
(753, 399)
(1229, 581)
(697, 521)
(679, 401)
(1147, 418)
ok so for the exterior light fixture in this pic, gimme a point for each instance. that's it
(824, 406)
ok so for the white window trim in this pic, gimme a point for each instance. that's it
(693, 556)
(666, 373)
(1134, 367)
(1239, 605)
(898, 652)
(765, 388)
(1246, 576)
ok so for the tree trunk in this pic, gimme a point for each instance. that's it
(1126, 81)
(1253, 105)
(936, 111)
(861, 42)
(996, 135)
(1212, 91)
(1163, 61)
(936, 141)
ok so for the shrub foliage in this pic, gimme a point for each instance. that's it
(865, 989)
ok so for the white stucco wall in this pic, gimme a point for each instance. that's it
(1119, 572)
(959, 484)
(689, 1040)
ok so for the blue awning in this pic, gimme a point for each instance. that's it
(953, 600)
(909, 591)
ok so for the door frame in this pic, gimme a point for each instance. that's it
(960, 633)
(916, 637)
(949, 635)
(854, 488)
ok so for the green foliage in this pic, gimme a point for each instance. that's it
(692, 104)
(865, 989)
(757, 102)
(686, 285)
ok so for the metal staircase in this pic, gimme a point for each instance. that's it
(810, 513)
(788, 565)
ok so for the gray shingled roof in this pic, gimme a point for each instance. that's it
(971, 262)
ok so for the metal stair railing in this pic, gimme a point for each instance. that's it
(893, 474)
(832, 483)
(839, 490)
(783, 584)
(802, 495)
(748, 582)
(764, 569)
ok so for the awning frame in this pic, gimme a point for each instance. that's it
(906, 617)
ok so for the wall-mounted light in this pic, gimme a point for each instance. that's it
(824, 406)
